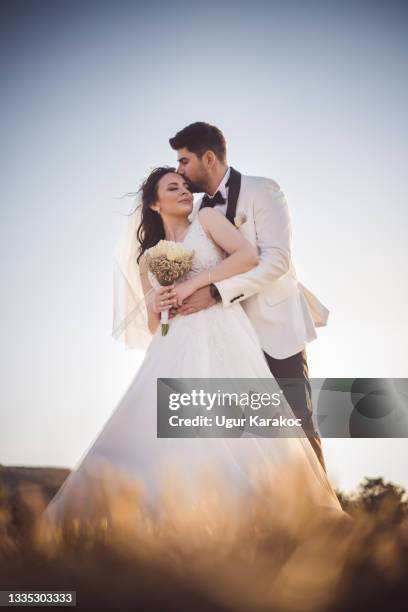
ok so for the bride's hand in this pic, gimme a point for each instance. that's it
(164, 298)
(184, 290)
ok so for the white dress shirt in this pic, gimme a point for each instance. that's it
(223, 189)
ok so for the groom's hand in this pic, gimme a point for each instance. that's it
(199, 300)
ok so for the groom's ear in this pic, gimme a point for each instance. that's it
(209, 158)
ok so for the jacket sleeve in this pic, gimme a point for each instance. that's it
(273, 236)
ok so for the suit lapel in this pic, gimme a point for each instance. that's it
(234, 186)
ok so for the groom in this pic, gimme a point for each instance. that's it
(282, 311)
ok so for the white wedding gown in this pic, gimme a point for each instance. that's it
(214, 343)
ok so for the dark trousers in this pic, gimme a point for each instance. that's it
(292, 375)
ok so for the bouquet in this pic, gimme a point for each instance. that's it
(169, 261)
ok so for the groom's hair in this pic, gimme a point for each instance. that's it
(200, 137)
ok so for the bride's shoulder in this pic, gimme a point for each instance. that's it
(205, 213)
(209, 217)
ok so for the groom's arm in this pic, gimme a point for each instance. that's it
(273, 236)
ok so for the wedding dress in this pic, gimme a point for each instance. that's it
(214, 343)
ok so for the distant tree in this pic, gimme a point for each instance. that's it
(383, 497)
(386, 500)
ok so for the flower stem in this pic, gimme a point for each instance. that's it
(164, 329)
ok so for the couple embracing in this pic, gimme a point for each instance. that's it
(240, 312)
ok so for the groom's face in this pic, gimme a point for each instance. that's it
(193, 170)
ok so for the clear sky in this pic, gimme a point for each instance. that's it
(311, 94)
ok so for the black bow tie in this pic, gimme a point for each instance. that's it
(216, 199)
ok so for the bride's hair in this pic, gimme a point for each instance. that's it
(151, 228)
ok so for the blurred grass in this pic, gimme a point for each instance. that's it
(209, 556)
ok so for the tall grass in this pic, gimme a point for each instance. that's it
(211, 554)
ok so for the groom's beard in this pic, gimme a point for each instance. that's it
(197, 187)
(193, 187)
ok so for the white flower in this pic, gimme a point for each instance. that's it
(240, 220)
(173, 251)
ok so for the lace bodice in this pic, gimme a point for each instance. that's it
(206, 253)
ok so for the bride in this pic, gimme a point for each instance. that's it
(213, 343)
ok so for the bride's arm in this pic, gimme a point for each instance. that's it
(164, 297)
(242, 256)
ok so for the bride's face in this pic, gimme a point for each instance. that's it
(173, 196)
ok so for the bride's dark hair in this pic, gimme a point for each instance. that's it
(151, 228)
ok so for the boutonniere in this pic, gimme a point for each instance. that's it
(239, 220)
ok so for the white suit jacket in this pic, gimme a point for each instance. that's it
(283, 312)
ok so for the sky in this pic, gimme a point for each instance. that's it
(310, 94)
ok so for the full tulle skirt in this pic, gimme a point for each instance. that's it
(214, 343)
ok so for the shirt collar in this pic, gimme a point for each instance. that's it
(222, 187)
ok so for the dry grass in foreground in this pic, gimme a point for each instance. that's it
(210, 557)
